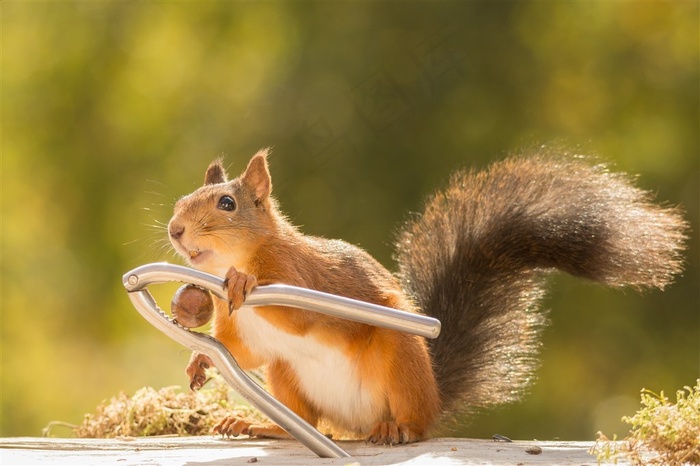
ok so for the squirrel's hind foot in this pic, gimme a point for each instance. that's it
(389, 433)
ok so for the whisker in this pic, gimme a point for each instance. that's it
(155, 193)
(159, 249)
(155, 226)
(149, 209)
(159, 183)
(159, 223)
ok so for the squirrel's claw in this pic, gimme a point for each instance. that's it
(238, 285)
(196, 370)
(234, 426)
(389, 433)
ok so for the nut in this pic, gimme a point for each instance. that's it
(192, 306)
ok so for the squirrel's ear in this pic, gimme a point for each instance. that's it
(215, 173)
(257, 176)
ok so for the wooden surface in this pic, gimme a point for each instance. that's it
(212, 451)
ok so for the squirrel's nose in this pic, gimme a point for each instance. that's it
(175, 231)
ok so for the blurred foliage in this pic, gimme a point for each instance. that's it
(112, 110)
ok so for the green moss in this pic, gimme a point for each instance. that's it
(662, 432)
(167, 411)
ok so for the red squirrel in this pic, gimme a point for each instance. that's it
(476, 259)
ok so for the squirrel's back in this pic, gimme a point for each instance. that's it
(477, 257)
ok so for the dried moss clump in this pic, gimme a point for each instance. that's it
(662, 432)
(167, 411)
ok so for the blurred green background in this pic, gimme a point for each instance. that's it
(112, 110)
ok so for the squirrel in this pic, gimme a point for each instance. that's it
(476, 259)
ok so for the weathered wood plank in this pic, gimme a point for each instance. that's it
(214, 451)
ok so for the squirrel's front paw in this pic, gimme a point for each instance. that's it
(238, 285)
(234, 426)
(196, 370)
(389, 433)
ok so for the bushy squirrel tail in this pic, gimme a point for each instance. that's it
(478, 255)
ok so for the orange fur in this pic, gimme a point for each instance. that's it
(284, 385)
(391, 370)
(226, 332)
(475, 259)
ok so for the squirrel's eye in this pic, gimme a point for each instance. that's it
(226, 203)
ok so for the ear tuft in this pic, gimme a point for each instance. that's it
(215, 172)
(257, 176)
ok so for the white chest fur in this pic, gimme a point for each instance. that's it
(326, 375)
